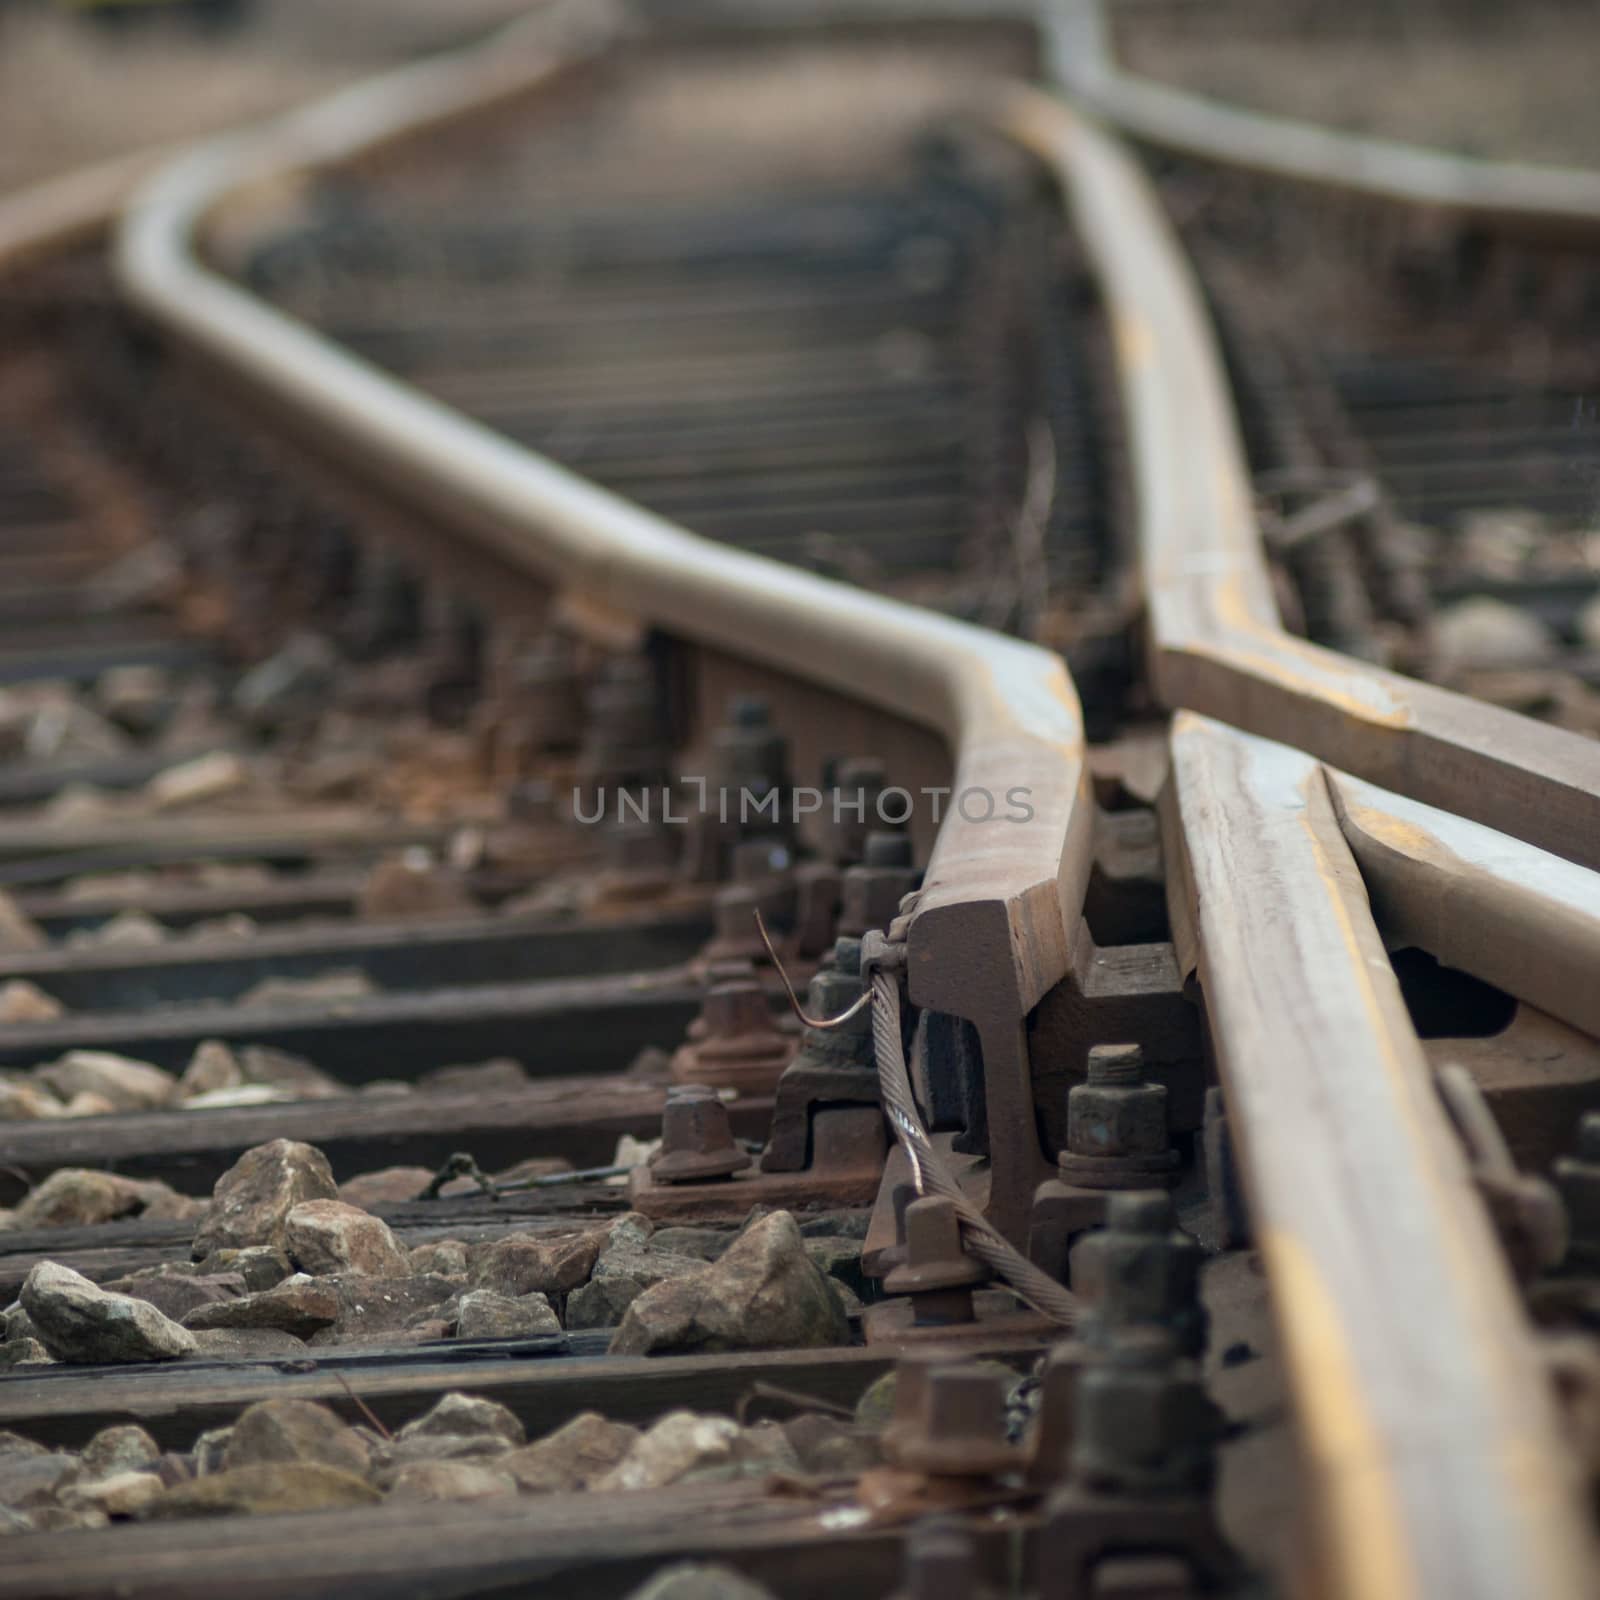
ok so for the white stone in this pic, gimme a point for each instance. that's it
(127, 1084)
(80, 1322)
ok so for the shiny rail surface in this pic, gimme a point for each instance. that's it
(996, 902)
(1388, 1280)
(1216, 643)
(1460, 1489)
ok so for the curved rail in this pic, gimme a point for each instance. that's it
(1425, 1416)
(1455, 1487)
(991, 932)
(1215, 641)
(1083, 61)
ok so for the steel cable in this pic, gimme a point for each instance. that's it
(931, 1176)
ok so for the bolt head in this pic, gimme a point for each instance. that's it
(949, 1419)
(1116, 1063)
(736, 1008)
(831, 992)
(1142, 1420)
(1145, 1280)
(697, 1140)
(1141, 1211)
(934, 1258)
(697, 1122)
(1117, 1119)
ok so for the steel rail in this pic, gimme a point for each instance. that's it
(1516, 917)
(1083, 61)
(1380, 1252)
(1001, 900)
(1425, 1415)
(1426, 1419)
(1216, 643)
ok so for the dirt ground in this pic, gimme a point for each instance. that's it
(73, 91)
(1514, 80)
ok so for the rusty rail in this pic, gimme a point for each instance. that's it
(1426, 1417)
(1435, 1452)
(991, 932)
(1215, 641)
(1359, 1192)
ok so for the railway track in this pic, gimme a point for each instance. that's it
(450, 498)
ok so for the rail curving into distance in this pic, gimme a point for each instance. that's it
(1215, 641)
(1436, 1462)
(1312, 1038)
(990, 933)
(1538, 196)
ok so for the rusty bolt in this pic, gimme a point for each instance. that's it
(937, 1273)
(894, 1256)
(1143, 1423)
(833, 989)
(817, 890)
(714, 973)
(1141, 1270)
(1115, 1112)
(1117, 1124)
(766, 867)
(749, 752)
(839, 829)
(737, 1045)
(734, 935)
(697, 1142)
(949, 1420)
(844, 955)
(622, 739)
(873, 889)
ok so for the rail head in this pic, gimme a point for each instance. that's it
(1215, 642)
(1005, 883)
(1425, 1414)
